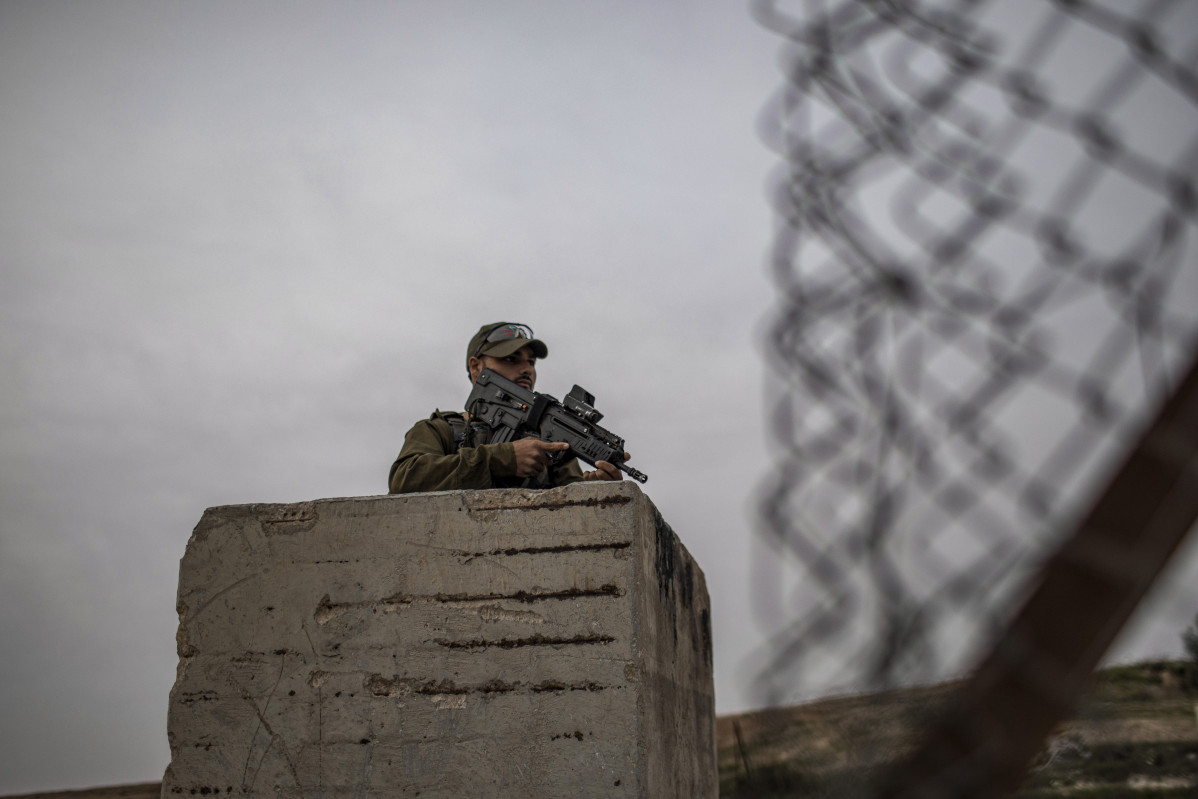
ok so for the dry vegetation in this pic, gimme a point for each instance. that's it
(1136, 735)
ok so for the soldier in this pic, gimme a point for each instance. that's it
(446, 451)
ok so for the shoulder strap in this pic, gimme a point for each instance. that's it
(464, 434)
(459, 428)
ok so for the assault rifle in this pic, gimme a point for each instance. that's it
(512, 411)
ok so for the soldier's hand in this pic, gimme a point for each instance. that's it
(532, 455)
(605, 471)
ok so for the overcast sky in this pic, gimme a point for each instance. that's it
(243, 246)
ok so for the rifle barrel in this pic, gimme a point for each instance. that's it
(640, 477)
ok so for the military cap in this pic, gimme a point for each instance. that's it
(501, 339)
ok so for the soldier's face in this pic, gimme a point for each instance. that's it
(519, 367)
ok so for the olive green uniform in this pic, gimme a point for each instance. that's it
(436, 458)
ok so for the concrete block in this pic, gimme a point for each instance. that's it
(456, 644)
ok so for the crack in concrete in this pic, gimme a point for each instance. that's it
(288, 521)
(381, 686)
(592, 502)
(191, 697)
(528, 597)
(214, 597)
(264, 724)
(534, 640)
(547, 550)
(328, 610)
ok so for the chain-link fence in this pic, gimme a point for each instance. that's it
(987, 283)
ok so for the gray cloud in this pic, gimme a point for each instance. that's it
(243, 251)
(243, 248)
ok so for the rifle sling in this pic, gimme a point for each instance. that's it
(539, 406)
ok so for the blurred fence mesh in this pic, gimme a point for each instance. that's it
(987, 281)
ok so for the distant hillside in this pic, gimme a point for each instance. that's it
(1136, 735)
(143, 790)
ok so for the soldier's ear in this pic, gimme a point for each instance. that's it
(474, 365)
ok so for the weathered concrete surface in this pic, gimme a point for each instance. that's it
(466, 643)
